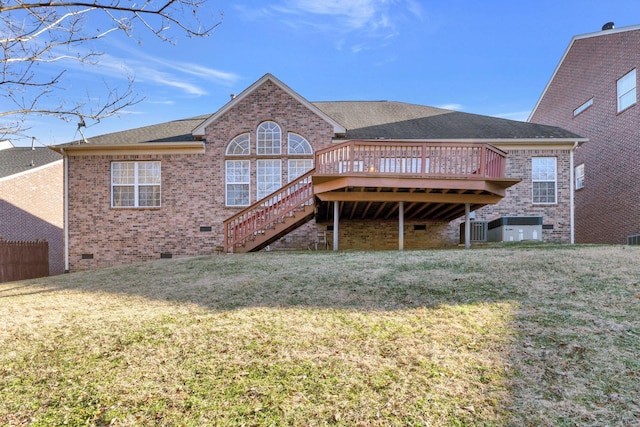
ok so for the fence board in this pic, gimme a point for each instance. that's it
(23, 260)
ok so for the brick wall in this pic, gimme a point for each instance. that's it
(193, 190)
(31, 208)
(608, 207)
(518, 198)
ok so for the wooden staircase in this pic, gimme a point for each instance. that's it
(271, 218)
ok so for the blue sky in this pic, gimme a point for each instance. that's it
(491, 57)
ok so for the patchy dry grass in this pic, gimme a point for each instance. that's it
(525, 335)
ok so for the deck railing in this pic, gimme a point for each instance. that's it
(265, 213)
(418, 159)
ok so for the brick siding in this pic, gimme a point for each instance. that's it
(608, 207)
(31, 208)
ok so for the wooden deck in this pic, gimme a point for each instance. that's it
(369, 180)
(435, 180)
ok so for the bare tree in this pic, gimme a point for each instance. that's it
(34, 33)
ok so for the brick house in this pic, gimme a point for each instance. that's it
(31, 198)
(592, 92)
(273, 170)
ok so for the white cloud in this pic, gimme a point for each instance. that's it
(520, 116)
(454, 107)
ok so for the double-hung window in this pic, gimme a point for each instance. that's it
(268, 177)
(135, 184)
(627, 90)
(544, 180)
(238, 179)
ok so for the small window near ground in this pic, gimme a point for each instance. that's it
(135, 184)
(627, 91)
(579, 176)
(544, 179)
(583, 107)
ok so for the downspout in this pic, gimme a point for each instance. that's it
(571, 194)
(65, 158)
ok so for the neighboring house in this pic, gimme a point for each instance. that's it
(31, 198)
(363, 175)
(593, 92)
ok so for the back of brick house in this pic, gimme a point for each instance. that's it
(593, 93)
(31, 199)
(166, 190)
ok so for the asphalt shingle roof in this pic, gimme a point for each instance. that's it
(367, 120)
(398, 120)
(21, 159)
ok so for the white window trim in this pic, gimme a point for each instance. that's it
(136, 185)
(579, 172)
(237, 141)
(631, 75)
(555, 181)
(258, 176)
(305, 142)
(226, 185)
(277, 145)
(583, 107)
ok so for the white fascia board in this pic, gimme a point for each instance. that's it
(200, 130)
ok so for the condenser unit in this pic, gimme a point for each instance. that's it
(515, 229)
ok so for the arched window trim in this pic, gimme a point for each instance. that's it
(306, 146)
(241, 142)
(268, 139)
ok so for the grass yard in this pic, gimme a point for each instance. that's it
(532, 335)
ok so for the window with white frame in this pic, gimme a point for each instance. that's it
(238, 180)
(268, 177)
(239, 146)
(135, 184)
(268, 139)
(579, 176)
(583, 107)
(296, 144)
(544, 180)
(627, 90)
(298, 167)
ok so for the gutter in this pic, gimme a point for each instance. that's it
(571, 194)
(65, 158)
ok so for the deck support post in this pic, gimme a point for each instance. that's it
(336, 216)
(400, 226)
(467, 226)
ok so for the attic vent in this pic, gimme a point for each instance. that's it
(608, 26)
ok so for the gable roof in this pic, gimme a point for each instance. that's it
(337, 127)
(601, 33)
(398, 120)
(17, 160)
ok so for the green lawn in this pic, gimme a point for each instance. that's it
(508, 336)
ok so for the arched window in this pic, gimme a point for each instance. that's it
(239, 146)
(268, 139)
(298, 145)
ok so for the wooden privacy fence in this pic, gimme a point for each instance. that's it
(23, 260)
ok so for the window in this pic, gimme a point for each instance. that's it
(135, 184)
(238, 182)
(583, 107)
(298, 167)
(268, 177)
(298, 145)
(579, 176)
(627, 90)
(239, 146)
(543, 176)
(269, 139)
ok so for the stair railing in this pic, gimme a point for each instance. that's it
(265, 213)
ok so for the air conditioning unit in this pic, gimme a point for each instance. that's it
(634, 239)
(515, 229)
